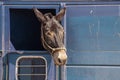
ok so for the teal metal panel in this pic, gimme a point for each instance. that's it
(93, 42)
(93, 33)
(64, 0)
(14, 15)
(93, 73)
(1, 68)
(94, 58)
(1, 63)
(12, 59)
(0, 26)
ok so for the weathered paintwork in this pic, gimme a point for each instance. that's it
(14, 27)
(93, 42)
(92, 35)
(1, 65)
(0, 25)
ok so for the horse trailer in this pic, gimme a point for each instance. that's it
(91, 38)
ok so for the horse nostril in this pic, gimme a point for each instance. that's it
(59, 60)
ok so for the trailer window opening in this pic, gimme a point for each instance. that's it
(25, 31)
(31, 68)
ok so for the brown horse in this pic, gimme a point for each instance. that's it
(52, 35)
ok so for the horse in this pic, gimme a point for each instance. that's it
(52, 35)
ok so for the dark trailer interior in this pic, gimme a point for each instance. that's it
(25, 31)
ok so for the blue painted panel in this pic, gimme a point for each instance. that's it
(1, 63)
(89, 29)
(93, 57)
(0, 27)
(14, 56)
(1, 68)
(93, 73)
(93, 34)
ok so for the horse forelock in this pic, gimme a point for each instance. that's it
(48, 16)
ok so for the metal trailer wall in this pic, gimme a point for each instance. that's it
(21, 39)
(1, 65)
(64, 0)
(92, 34)
(93, 42)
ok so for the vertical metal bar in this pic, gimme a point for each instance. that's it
(63, 68)
(1, 60)
(32, 69)
(3, 29)
(57, 73)
(1, 68)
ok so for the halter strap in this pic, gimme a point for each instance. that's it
(48, 46)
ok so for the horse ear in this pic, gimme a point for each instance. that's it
(60, 15)
(39, 15)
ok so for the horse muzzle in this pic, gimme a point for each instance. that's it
(60, 57)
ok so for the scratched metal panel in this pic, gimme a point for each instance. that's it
(1, 64)
(93, 58)
(93, 34)
(93, 73)
(0, 27)
(13, 59)
(1, 68)
(63, 0)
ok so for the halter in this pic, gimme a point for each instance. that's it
(45, 44)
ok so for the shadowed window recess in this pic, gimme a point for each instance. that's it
(25, 31)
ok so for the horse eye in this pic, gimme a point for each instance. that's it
(49, 33)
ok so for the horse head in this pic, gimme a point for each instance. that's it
(52, 35)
